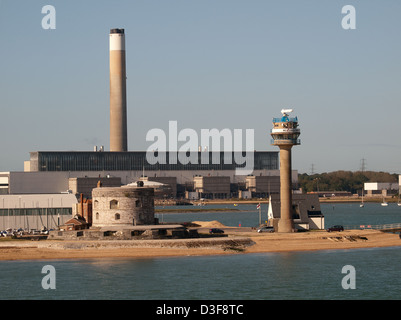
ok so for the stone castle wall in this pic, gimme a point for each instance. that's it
(122, 206)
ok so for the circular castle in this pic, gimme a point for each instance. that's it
(123, 206)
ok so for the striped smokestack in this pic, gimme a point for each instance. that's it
(118, 97)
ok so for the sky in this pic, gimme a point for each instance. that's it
(206, 64)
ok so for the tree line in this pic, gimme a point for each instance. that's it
(342, 180)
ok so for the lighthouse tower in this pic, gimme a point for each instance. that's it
(285, 134)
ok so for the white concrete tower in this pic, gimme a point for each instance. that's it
(118, 96)
(285, 134)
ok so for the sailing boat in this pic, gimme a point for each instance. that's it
(361, 204)
(270, 211)
(384, 203)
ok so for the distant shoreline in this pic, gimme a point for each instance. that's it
(321, 200)
(185, 209)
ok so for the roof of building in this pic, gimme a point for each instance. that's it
(76, 220)
(149, 184)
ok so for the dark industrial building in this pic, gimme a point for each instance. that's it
(138, 161)
(79, 171)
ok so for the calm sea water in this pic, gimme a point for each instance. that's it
(306, 275)
(248, 216)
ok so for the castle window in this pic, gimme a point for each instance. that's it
(113, 204)
(137, 203)
(117, 216)
(97, 215)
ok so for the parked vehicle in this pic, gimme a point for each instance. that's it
(266, 229)
(335, 228)
(215, 230)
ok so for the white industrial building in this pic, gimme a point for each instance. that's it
(35, 211)
(381, 188)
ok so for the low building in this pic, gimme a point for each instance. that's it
(381, 188)
(167, 185)
(262, 186)
(17, 182)
(85, 185)
(212, 187)
(35, 211)
(191, 195)
(75, 223)
(162, 190)
(329, 194)
(307, 214)
(244, 194)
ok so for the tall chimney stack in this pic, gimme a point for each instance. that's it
(118, 96)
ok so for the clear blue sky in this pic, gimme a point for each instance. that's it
(206, 64)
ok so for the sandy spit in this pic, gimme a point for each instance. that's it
(235, 243)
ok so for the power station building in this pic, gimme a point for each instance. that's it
(59, 171)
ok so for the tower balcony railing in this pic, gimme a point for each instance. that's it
(285, 141)
(285, 130)
(285, 119)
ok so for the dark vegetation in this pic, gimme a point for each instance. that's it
(342, 180)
